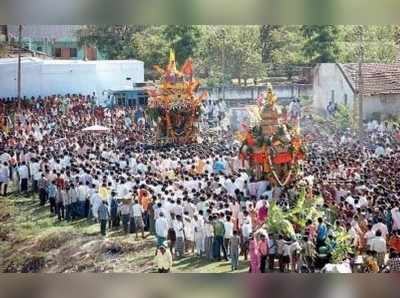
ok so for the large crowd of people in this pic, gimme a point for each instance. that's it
(199, 200)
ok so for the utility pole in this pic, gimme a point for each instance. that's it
(223, 64)
(361, 83)
(19, 66)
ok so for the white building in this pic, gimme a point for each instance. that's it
(49, 77)
(339, 82)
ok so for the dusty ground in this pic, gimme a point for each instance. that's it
(32, 241)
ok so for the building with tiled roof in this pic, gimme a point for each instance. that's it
(341, 82)
(378, 78)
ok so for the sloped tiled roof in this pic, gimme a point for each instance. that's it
(378, 78)
(41, 32)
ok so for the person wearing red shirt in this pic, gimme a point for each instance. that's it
(394, 242)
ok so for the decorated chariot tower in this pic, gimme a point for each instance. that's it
(273, 149)
(174, 106)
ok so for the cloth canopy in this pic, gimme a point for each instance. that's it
(96, 128)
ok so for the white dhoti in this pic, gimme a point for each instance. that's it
(199, 241)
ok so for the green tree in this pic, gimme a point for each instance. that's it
(183, 39)
(152, 48)
(284, 54)
(342, 117)
(322, 43)
(114, 41)
(381, 44)
(268, 43)
(230, 52)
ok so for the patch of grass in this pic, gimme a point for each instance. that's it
(198, 265)
(40, 243)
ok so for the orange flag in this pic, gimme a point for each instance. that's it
(187, 68)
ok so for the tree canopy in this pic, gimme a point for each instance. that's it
(226, 54)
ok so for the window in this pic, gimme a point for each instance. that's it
(345, 99)
(333, 95)
(57, 52)
(73, 52)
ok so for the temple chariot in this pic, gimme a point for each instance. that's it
(174, 106)
(273, 149)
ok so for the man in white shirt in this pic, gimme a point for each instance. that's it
(178, 208)
(66, 161)
(122, 190)
(178, 227)
(368, 236)
(239, 183)
(141, 167)
(229, 186)
(162, 227)
(95, 202)
(378, 245)
(247, 230)
(82, 196)
(35, 174)
(228, 225)
(133, 164)
(4, 178)
(199, 234)
(380, 226)
(23, 173)
(5, 157)
(137, 215)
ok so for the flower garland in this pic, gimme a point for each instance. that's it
(276, 176)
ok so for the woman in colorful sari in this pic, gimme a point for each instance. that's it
(254, 256)
(253, 215)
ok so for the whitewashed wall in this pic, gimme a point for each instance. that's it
(252, 92)
(47, 77)
(328, 77)
(384, 104)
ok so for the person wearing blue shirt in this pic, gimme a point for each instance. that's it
(52, 193)
(219, 167)
(322, 233)
(103, 216)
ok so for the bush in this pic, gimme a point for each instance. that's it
(393, 118)
(305, 100)
(343, 117)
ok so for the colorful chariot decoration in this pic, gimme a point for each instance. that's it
(174, 106)
(273, 150)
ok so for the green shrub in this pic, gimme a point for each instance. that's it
(343, 117)
(305, 100)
